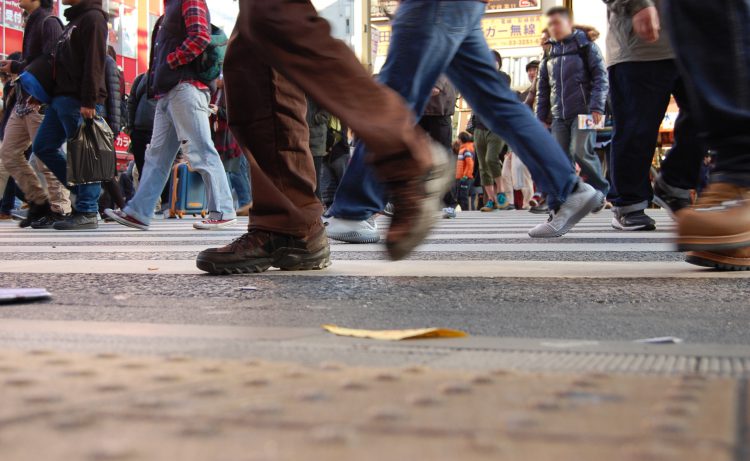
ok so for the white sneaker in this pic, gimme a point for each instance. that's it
(449, 213)
(345, 230)
(580, 203)
(214, 224)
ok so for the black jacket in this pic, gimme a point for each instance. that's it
(113, 107)
(141, 107)
(39, 38)
(80, 54)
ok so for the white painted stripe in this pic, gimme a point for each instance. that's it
(489, 269)
(429, 247)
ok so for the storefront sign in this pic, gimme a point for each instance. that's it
(513, 5)
(520, 31)
(12, 14)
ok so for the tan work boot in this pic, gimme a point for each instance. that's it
(719, 221)
(727, 260)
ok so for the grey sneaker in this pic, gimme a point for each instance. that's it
(672, 199)
(583, 200)
(78, 221)
(345, 230)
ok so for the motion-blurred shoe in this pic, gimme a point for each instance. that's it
(35, 213)
(502, 202)
(726, 260)
(245, 210)
(488, 207)
(672, 199)
(5, 217)
(388, 210)
(633, 221)
(123, 218)
(214, 224)
(416, 204)
(582, 201)
(258, 250)
(449, 213)
(77, 221)
(349, 231)
(719, 221)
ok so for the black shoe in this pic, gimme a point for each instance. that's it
(78, 221)
(46, 222)
(258, 250)
(633, 221)
(672, 199)
(35, 213)
(541, 208)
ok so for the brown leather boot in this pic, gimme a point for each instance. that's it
(728, 260)
(416, 204)
(720, 220)
(259, 250)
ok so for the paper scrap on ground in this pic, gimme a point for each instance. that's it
(396, 335)
(19, 295)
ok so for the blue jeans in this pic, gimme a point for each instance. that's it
(640, 93)
(434, 37)
(181, 122)
(240, 182)
(717, 77)
(61, 120)
(579, 144)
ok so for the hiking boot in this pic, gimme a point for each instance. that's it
(35, 213)
(416, 204)
(726, 260)
(47, 222)
(582, 201)
(672, 199)
(720, 220)
(502, 202)
(633, 221)
(125, 219)
(351, 231)
(259, 250)
(488, 207)
(78, 221)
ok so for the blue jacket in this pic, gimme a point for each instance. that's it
(572, 79)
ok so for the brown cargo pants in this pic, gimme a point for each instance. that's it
(279, 51)
(19, 134)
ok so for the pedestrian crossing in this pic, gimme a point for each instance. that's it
(474, 244)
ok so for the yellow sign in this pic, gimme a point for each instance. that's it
(520, 31)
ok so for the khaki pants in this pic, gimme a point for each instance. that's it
(280, 51)
(19, 134)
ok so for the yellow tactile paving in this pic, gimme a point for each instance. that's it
(63, 406)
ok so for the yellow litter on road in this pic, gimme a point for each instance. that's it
(395, 335)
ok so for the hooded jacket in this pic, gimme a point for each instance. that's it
(81, 53)
(39, 37)
(572, 79)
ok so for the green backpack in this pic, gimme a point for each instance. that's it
(211, 60)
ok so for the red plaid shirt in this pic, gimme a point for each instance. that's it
(195, 15)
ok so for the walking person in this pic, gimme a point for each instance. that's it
(643, 76)
(716, 230)
(140, 119)
(112, 194)
(181, 36)
(79, 91)
(572, 82)
(317, 121)
(273, 61)
(51, 204)
(421, 50)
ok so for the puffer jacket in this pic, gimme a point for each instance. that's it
(572, 79)
(112, 106)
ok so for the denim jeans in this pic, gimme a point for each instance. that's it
(434, 37)
(579, 144)
(61, 120)
(240, 182)
(640, 94)
(712, 44)
(181, 122)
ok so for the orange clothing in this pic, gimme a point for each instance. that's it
(465, 163)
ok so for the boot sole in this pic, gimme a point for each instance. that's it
(724, 242)
(443, 179)
(282, 259)
(717, 261)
